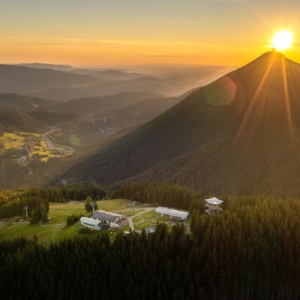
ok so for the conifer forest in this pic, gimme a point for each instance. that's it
(249, 251)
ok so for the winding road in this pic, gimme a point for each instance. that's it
(50, 145)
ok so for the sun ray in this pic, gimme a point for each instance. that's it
(286, 95)
(255, 97)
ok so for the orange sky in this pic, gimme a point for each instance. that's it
(132, 32)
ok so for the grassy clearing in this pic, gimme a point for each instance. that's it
(148, 219)
(56, 229)
(144, 225)
(74, 140)
(19, 140)
(150, 214)
(51, 231)
(65, 147)
(16, 140)
(137, 219)
(41, 151)
(12, 140)
(117, 205)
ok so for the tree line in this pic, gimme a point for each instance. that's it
(249, 251)
(13, 202)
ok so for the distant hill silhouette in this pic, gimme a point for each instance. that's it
(63, 82)
(14, 102)
(48, 66)
(34, 81)
(51, 118)
(105, 87)
(50, 82)
(109, 74)
(238, 135)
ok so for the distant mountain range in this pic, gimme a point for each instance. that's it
(238, 135)
(109, 74)
(37, 82)
(62, 83)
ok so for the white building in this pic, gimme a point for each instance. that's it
(172, 213)
(213, 206)
(90, 223)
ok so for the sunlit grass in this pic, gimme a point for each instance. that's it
(12, 140)
(56, 229)
(74, 140)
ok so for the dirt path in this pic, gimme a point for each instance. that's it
(142, 212)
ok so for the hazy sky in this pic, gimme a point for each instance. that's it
(129, 32)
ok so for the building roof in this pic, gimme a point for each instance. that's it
(214, 200)
(172, 212)
(89, 221)
(105, 216)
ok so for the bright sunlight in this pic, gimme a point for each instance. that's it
(282, 40)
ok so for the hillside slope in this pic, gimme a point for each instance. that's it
(257, 99)
(19, 121)
(14, 102)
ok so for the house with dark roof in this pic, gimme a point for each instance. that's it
(107, 218)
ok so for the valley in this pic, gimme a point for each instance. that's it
(150, 150)
(237, 138)
(43, 139)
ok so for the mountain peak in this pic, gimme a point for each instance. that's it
(241, 127)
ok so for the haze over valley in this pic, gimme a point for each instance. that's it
(40, 134)
(150, 150)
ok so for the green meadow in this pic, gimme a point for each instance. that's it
(56, 229)
(148, 219)
(74, 140)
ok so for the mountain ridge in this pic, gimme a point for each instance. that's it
(248, 100)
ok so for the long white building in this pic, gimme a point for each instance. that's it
(172, 213)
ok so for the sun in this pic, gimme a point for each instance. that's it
(282, 40)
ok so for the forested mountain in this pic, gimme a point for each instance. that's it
(237, 135)
(14, 102)
(51, 118)
(139, 112)
(98, 105)
(18, 121)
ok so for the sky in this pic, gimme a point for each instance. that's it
(95, 33)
